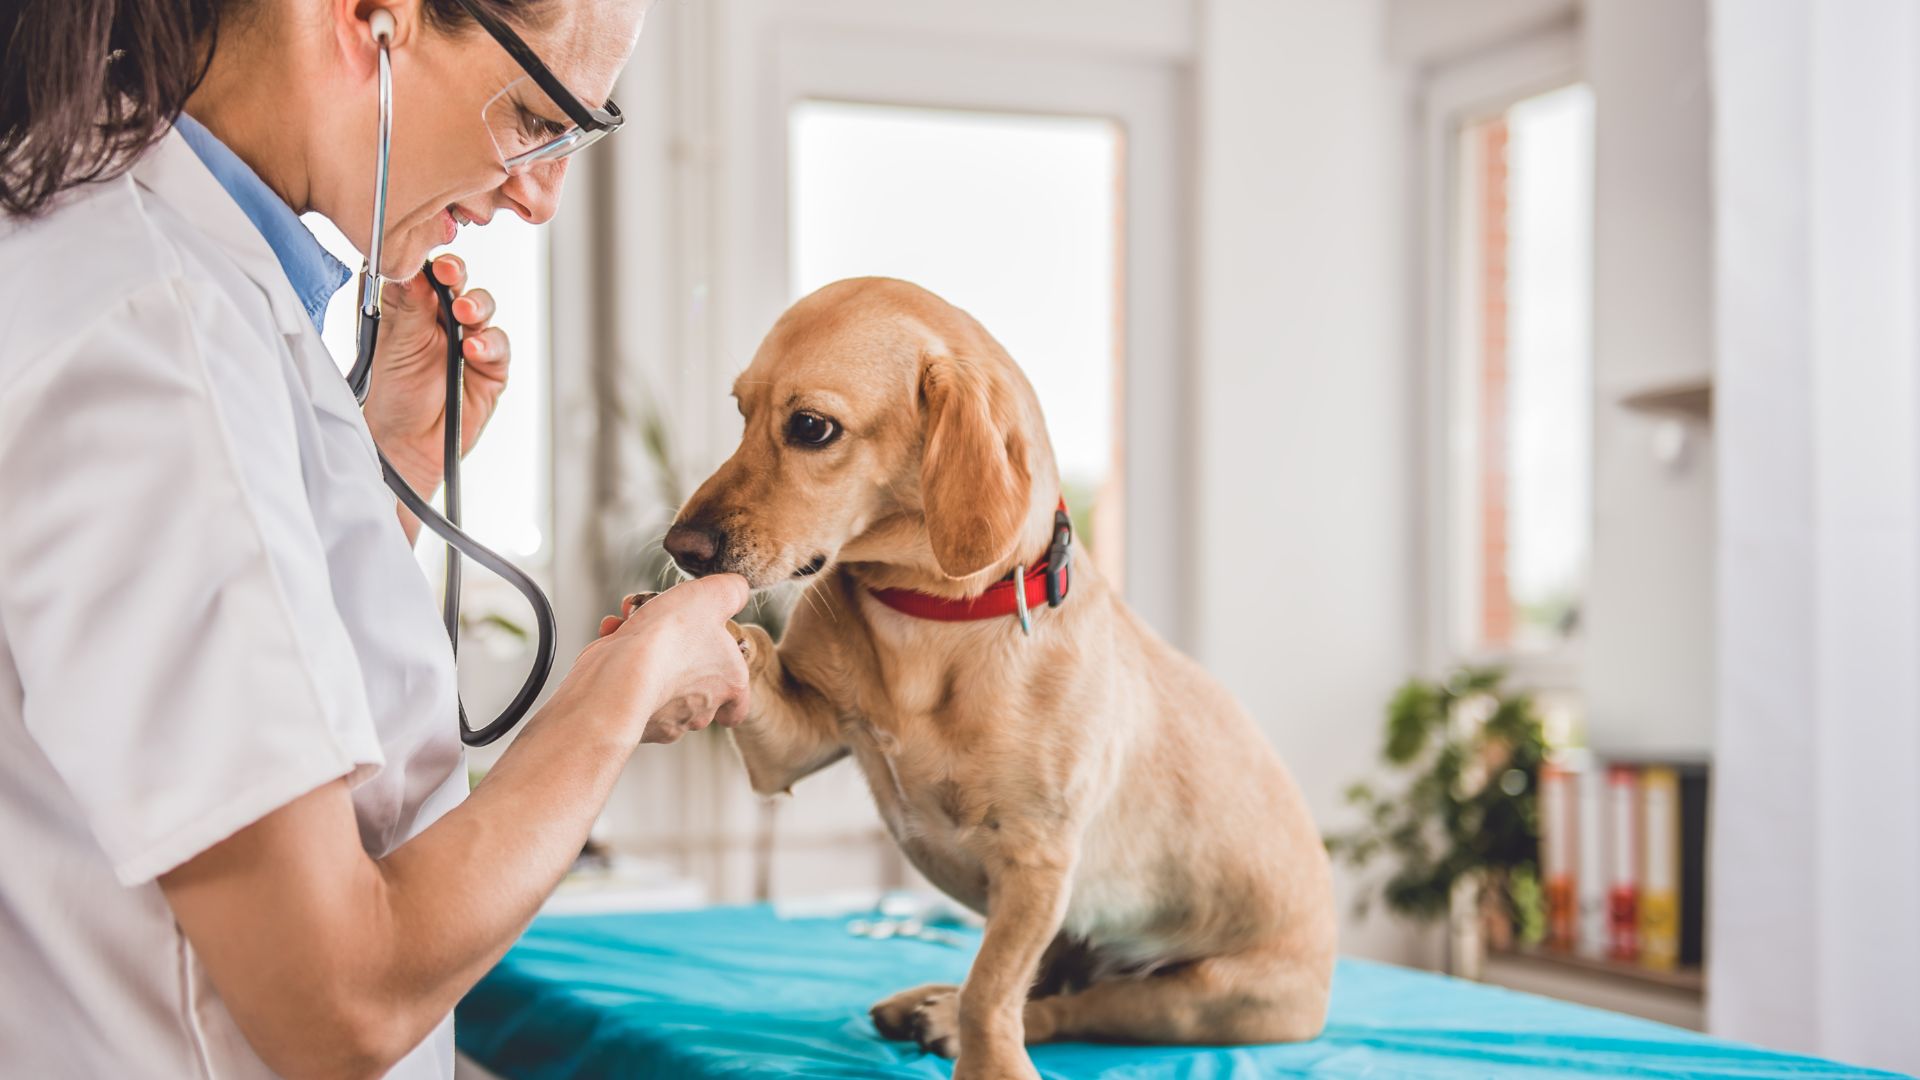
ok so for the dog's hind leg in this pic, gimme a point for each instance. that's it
(1253, 997)
(1066, 966)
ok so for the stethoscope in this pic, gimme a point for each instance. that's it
(446, 526)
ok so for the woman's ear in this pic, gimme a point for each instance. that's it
(355, 23)
(974, 481)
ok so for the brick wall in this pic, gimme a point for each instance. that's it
(1496, 599)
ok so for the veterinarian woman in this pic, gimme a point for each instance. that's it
(235, 838)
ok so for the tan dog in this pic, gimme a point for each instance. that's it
(1148, 870)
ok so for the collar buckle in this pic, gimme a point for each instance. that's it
(1059, 554)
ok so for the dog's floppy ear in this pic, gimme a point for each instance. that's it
(973, 471)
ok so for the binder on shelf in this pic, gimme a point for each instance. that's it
(1693, 865)
(1623, 856)
(1590, 869)
(1660, 868)
(1557, 808)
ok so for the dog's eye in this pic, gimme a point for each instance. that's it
(811, 429)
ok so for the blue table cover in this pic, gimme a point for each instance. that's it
(743, 993)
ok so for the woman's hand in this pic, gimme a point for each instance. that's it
(406, 401)
(671, 666)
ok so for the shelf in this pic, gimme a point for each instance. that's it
(1676, 997)
(1672, 757)
(1687, 980)
(1690, 398)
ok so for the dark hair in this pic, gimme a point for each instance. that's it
(87, 85)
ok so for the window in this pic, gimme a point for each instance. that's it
(941, 198)
(1521, 383)
(506, 500)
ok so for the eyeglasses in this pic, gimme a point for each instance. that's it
(520, 116)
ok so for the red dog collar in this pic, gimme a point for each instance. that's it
(1043, 583)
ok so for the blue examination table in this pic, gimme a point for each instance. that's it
(743, 993)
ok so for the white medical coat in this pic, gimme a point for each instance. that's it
(207, 609)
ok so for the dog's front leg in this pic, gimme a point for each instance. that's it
(1027, 891)
(791, 730)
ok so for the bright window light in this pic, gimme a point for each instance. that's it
(1523, 465)
(506, 500)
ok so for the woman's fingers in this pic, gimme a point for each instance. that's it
(411, 294)
(708, 673)
(664, 729)
(450, 270)
(685, 600)
(732, 711)
(488, 350)
(474, 308)
(628, 606)
(718, 596)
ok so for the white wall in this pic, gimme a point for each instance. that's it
(1439, 31)
(1816, 856)
(1303, 388)
(1648, 671)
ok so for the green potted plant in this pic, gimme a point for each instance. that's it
(1459, 821)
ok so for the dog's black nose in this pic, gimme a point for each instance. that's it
(696, 548)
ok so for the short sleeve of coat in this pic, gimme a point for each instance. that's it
(163, 587)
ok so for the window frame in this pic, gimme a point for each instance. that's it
(1454, 96)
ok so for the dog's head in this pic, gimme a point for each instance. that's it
(883, 426)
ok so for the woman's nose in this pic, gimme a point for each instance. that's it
(535, 193)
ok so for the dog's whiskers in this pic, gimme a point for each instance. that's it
(814, 603)
(669, 575)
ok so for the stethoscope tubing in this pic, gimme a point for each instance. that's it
(447, 525)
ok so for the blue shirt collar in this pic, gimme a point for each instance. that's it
(314, 273)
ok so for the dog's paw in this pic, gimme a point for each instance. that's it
(938, 1023)
(928, 1015)
(755, 644)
